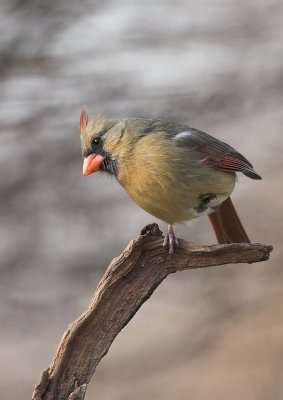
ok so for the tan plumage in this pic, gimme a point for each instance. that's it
(166, 168)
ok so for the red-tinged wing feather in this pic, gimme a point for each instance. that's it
(214, 153)
(224, 159)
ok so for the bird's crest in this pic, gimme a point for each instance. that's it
(83, 120)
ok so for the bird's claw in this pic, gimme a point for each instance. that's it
(170, 240)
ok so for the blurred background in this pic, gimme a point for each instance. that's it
(215, 65)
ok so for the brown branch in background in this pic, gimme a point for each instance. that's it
(128, 282)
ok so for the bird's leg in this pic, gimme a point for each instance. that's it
(170, 239)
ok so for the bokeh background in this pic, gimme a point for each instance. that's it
(215, 65)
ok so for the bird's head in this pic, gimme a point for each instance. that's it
(101, 144)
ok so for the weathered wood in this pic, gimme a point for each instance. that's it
(128, 282)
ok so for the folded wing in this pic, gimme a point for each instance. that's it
(214, 153)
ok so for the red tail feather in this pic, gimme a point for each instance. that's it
(227, 225)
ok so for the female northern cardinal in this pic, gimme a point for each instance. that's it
(172, 171)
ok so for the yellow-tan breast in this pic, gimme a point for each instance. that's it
(167, 181)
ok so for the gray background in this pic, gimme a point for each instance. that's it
(215, 65)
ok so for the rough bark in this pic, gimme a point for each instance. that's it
(129, 281)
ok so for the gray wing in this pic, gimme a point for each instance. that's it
(214, 153)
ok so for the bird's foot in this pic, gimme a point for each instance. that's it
(170, 240)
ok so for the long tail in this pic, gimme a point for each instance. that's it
(227, 225)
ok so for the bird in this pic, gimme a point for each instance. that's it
(174, 172)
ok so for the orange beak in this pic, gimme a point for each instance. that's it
(92, 164)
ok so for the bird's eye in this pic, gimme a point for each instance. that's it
(96, 141)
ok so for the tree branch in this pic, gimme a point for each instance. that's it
(128, 282)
